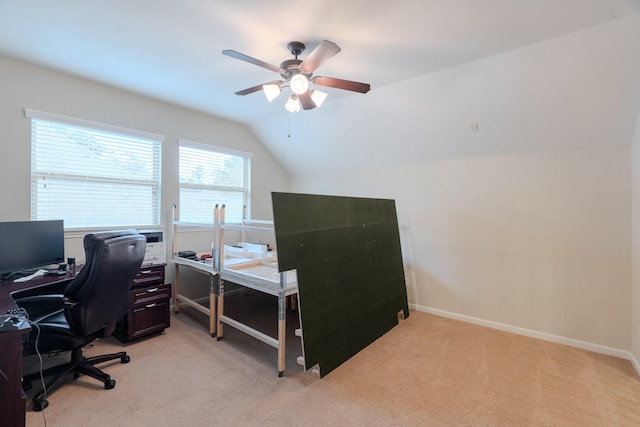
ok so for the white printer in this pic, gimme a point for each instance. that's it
(155, 253)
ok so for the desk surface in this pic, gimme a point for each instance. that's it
(8, 288)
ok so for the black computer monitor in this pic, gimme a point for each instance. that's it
(28, 245)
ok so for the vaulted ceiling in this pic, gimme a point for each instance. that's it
(533, 75)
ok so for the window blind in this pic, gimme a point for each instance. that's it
(93, 175)
(210, 175)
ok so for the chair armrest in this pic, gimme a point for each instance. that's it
(38, 306)
(40, 299)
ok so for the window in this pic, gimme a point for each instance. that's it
(212, 175)
(93, 175)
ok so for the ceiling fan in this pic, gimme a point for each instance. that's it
(297, 74)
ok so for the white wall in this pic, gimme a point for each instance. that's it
(23, 85)
(574, 91)
(539, 241)
(635, 225)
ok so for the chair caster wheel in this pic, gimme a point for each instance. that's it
(280, 374)
(40, 405)
(109, 384)
(125, 359)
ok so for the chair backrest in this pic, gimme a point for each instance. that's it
(99, 295)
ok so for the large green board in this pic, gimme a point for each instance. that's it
(346, 251)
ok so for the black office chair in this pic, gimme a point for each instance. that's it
(93, 302)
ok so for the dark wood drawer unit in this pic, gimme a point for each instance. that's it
(149, 309)
(149, 276)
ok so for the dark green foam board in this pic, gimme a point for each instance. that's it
(351, 284)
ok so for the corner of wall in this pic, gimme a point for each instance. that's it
(635, 245)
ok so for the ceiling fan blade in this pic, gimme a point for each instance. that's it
(257, 88)
(250, 60)
(306, 101)
(324, 51)
(341, 84)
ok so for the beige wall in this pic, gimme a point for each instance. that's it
(23, 85)
(535, 241)
(538, 241)
(635, 215)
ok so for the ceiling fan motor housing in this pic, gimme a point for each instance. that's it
(296, 48)
(291, 67)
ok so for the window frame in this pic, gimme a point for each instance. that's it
(245, 189)
(91, 128)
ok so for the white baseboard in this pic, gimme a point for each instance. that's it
(634, 362)
(596, 348)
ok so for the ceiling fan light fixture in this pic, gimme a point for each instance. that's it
(318, 97)
(271, 91)
(299, 84)
(297, 74)
(293, 104)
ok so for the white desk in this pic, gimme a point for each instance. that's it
(259, 274)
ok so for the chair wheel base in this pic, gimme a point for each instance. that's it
(39, 405)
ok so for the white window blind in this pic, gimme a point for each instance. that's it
(212, 175)
(93, 175)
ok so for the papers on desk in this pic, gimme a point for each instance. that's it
(31, 276)
(235, 261)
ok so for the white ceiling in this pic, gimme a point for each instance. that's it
(413, 53)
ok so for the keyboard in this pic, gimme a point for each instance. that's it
(18, 312)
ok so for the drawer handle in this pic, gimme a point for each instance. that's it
(152, 290)
(145, 271)
(150, 305)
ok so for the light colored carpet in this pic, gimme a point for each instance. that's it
(427, 371)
